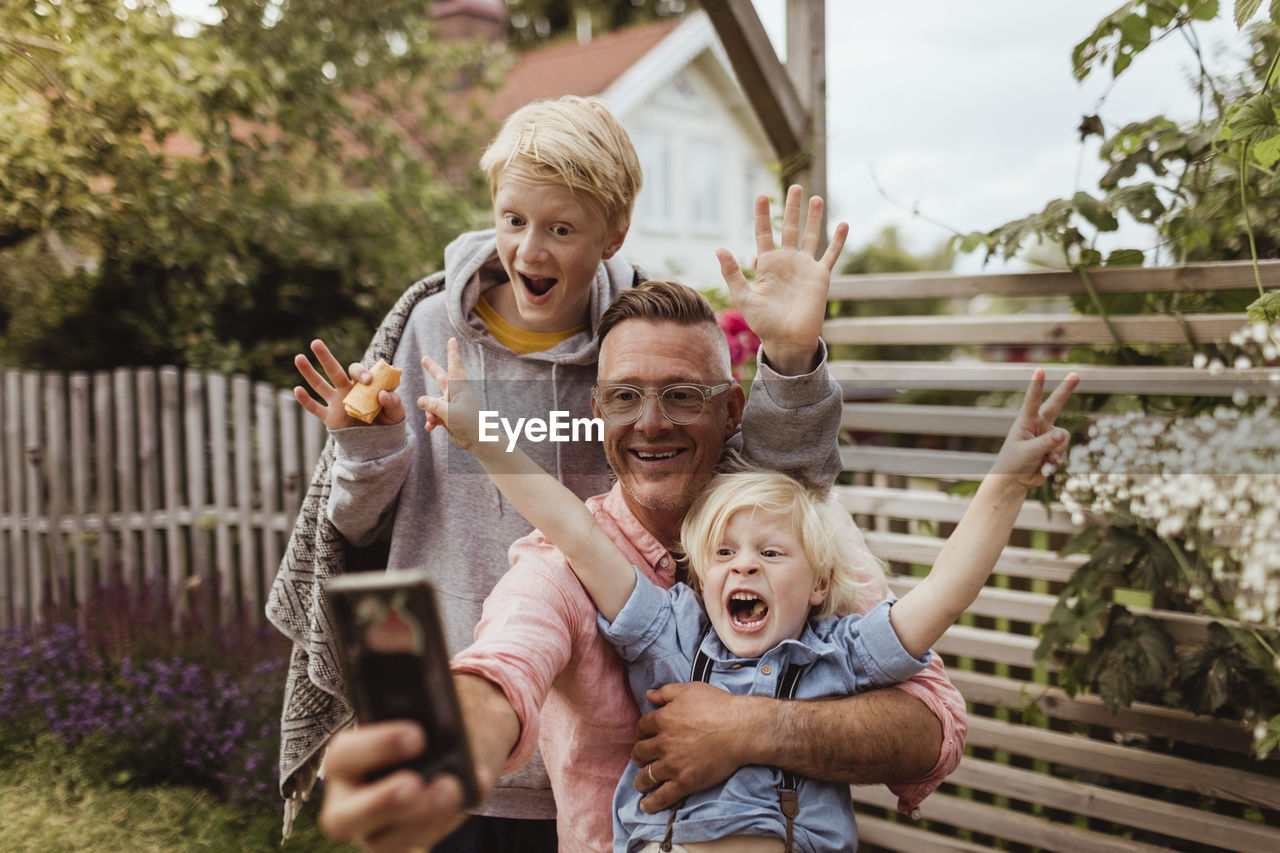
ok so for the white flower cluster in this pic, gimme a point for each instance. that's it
(1211, 481)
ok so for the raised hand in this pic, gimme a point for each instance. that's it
(333, 388)
(1034, 447)
(787, 302)
(456, 409)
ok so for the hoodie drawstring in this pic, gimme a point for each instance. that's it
(555, 401)
(493, 489)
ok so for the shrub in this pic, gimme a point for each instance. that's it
(150, 697)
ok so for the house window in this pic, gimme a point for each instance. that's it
(655, 209)
(707, 162)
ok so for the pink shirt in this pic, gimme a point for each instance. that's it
(538, 641)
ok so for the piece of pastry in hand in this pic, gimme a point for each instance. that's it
(361, 401)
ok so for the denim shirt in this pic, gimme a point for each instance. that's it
(658, 633)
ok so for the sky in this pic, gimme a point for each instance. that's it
(968, 111)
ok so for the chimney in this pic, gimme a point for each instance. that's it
(469, 19)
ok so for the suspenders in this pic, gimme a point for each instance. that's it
(788, 795)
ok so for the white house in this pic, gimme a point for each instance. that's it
(704, 155)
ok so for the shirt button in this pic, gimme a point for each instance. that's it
(766, 669)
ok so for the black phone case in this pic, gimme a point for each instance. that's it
(393, 654)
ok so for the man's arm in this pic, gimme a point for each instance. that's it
(695, 740)
(502, 680)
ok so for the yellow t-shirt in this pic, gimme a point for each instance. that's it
(519, 341)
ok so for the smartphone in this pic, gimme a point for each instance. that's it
(392, 651)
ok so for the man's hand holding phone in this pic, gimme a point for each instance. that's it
(400, 811)
(402, 779)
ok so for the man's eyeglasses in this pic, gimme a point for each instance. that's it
(680, 404)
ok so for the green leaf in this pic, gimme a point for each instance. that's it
(1245, 9)
(1255, 120)
(1205, 11)
(1267, 151)
(1151, 652)
(1160, 15)
(1096, 213)
(1271, 740)
(1082, 542)
(1123, 60)
(1125, 258)
(1089, 258)
(1136, 30)
(1266, 307)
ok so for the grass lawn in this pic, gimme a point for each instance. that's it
(50, 802)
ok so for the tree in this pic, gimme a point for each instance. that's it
(536, 20)
(1209, 189)
(216, 197)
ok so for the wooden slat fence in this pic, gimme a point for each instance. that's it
(1043, 770)
(147, 476)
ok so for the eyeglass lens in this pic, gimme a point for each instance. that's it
(680, 403)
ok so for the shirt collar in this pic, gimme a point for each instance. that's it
(658, 563)
(803, 651)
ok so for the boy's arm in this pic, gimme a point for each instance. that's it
(1032, 448)
(786, 303)
(544, 502)
(792, 419)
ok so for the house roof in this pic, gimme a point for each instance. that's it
(577, 69)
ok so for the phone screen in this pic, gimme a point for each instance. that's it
(393, 654)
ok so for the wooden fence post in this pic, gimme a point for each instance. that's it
(33, 459)
(194, 416)
(81, 468)
(126, 435)
(242, 413)
(14, 581)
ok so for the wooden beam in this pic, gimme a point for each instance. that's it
(1188, 278)
(1033, 328)
(807, 67)
(890, 376)
(763, 78)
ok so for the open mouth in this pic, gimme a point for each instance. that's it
(538, 285)
(747, 610)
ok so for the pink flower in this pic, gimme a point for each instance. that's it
(743, 342)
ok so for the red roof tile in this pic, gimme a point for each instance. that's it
(569, 68)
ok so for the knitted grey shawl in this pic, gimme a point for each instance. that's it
(315, 697)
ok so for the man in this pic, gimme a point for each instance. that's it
(540, 673)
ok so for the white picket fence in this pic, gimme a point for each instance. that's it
(147, 476)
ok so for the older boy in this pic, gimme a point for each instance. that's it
(523, 300)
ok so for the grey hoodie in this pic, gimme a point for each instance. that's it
(442, 513)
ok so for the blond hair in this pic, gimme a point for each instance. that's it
(832, 544)
(575, 142)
